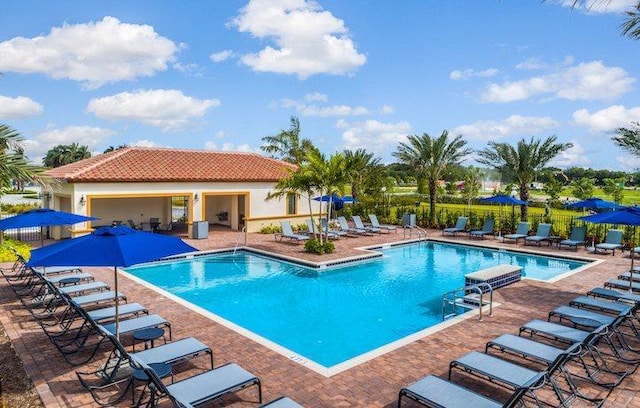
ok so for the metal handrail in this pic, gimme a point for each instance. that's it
(243, 233)
(451, 298)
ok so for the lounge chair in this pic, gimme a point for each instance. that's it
(576, 238)
(611, 294)
(521, 232)
(382, 227)
(344, 226)
(487, 229)
(133, 225)
(325, 227)
(461, 226)
(542, 235)
(612, 242)
(497, 370)
(357, 221)
(287, 232)
(605, 306)
(623, 284)
(432, 391)
(313, 230)
(201, 388)
(282, 402)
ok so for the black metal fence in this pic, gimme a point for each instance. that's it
(30, 234)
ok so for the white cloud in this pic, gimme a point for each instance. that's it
(600, 6)
(586, 81)
(19, 107)
(166, 109)
(221, 56)
(574, 156)
(335, 110)
(628, 162)
(37, 147)
(377, 137)
(307, 40)
(386, 110)
(219, 134)
(316, 97)
(94, 53)
(229, 147)
(514, 125)
(458, 75)
(145, 143)
(608, 119)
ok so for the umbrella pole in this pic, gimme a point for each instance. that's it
(115, 274)
(631, 254)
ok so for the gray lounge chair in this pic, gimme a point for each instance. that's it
(339, 233)
(576, 238)
(487, 229)
(605, 306)
(357, 221)
(542, 235)
(612, 294)
(201, 388)
(382, 227)
(497, 370)
(313, 230)
(74, 290)
(623, 284)
(432, 391)
(344, 226)
(287, 232)
(612, 241)
(521, 232)
(461, 226)
(138, 323)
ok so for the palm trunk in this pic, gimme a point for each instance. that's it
(433, 192)
(524, 196)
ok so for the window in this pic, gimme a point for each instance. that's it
(291, 203)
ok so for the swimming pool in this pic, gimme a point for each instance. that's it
(331, 315)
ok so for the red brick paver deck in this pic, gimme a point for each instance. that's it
(372, 384)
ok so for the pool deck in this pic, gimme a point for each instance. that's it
(374, 383)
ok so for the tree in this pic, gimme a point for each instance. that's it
(429, 157)
(114, 148)
(614, 188)
(359, 166)
(13, 163)
(521, 163)
(629, 139)
(287, 144)
(297, 183)
(65, 154)
(553, 187)
(472, 185)
(582, 188)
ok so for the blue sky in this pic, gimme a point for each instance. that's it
(358, 73)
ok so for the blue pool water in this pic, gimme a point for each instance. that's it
(331, 315)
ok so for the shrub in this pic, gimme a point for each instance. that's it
(313, 246)
(270, 229)
(18, 208)
(8, 246)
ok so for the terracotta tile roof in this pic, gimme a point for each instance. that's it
(136, 164)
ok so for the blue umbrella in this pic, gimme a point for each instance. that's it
(337, 201)
(622, 216)
(349, 199)
(42, 217)
(595, 203)
(110, 246)
(502, 199)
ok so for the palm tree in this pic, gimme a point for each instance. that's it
(521, 163)
(329, 175)
(65, 154)
(297, 183)
(429, 157)
(359, 165)
(287, 144)
(13, 163)
(631, 25)
(629, 139)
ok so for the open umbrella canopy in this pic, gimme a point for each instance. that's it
(621, 216)
(594, 203)
(109, 246)
(42, 217)
(502, 199)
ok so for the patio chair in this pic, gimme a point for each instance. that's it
(313, 230)
(344, 226)
(432, 391)
(542, 235)
(612, 241)
(382, 227)
(154, 222)
(576, 238)
(623, 284)
(461, 226)
(338, 233)
(502, 372)
(521, 232)
(287, 232)
(133, 225)
(200, 388)
(165, 228)
(611, 294)
(409, 221)
(281, 402)
(357, 221)
(487, 229)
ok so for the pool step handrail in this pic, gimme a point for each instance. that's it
(467, 297)
(241, 236)
(409, 225)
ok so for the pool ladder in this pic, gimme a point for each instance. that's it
(241, 236)
(468, 297)
(407, 231)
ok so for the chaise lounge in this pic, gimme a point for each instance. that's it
(487, 229)
(542, 235)
(612, 242)
(461, 226)
(576, 238)
(287, 232)
(521, 233)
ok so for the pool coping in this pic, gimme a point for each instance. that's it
(372, 252)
